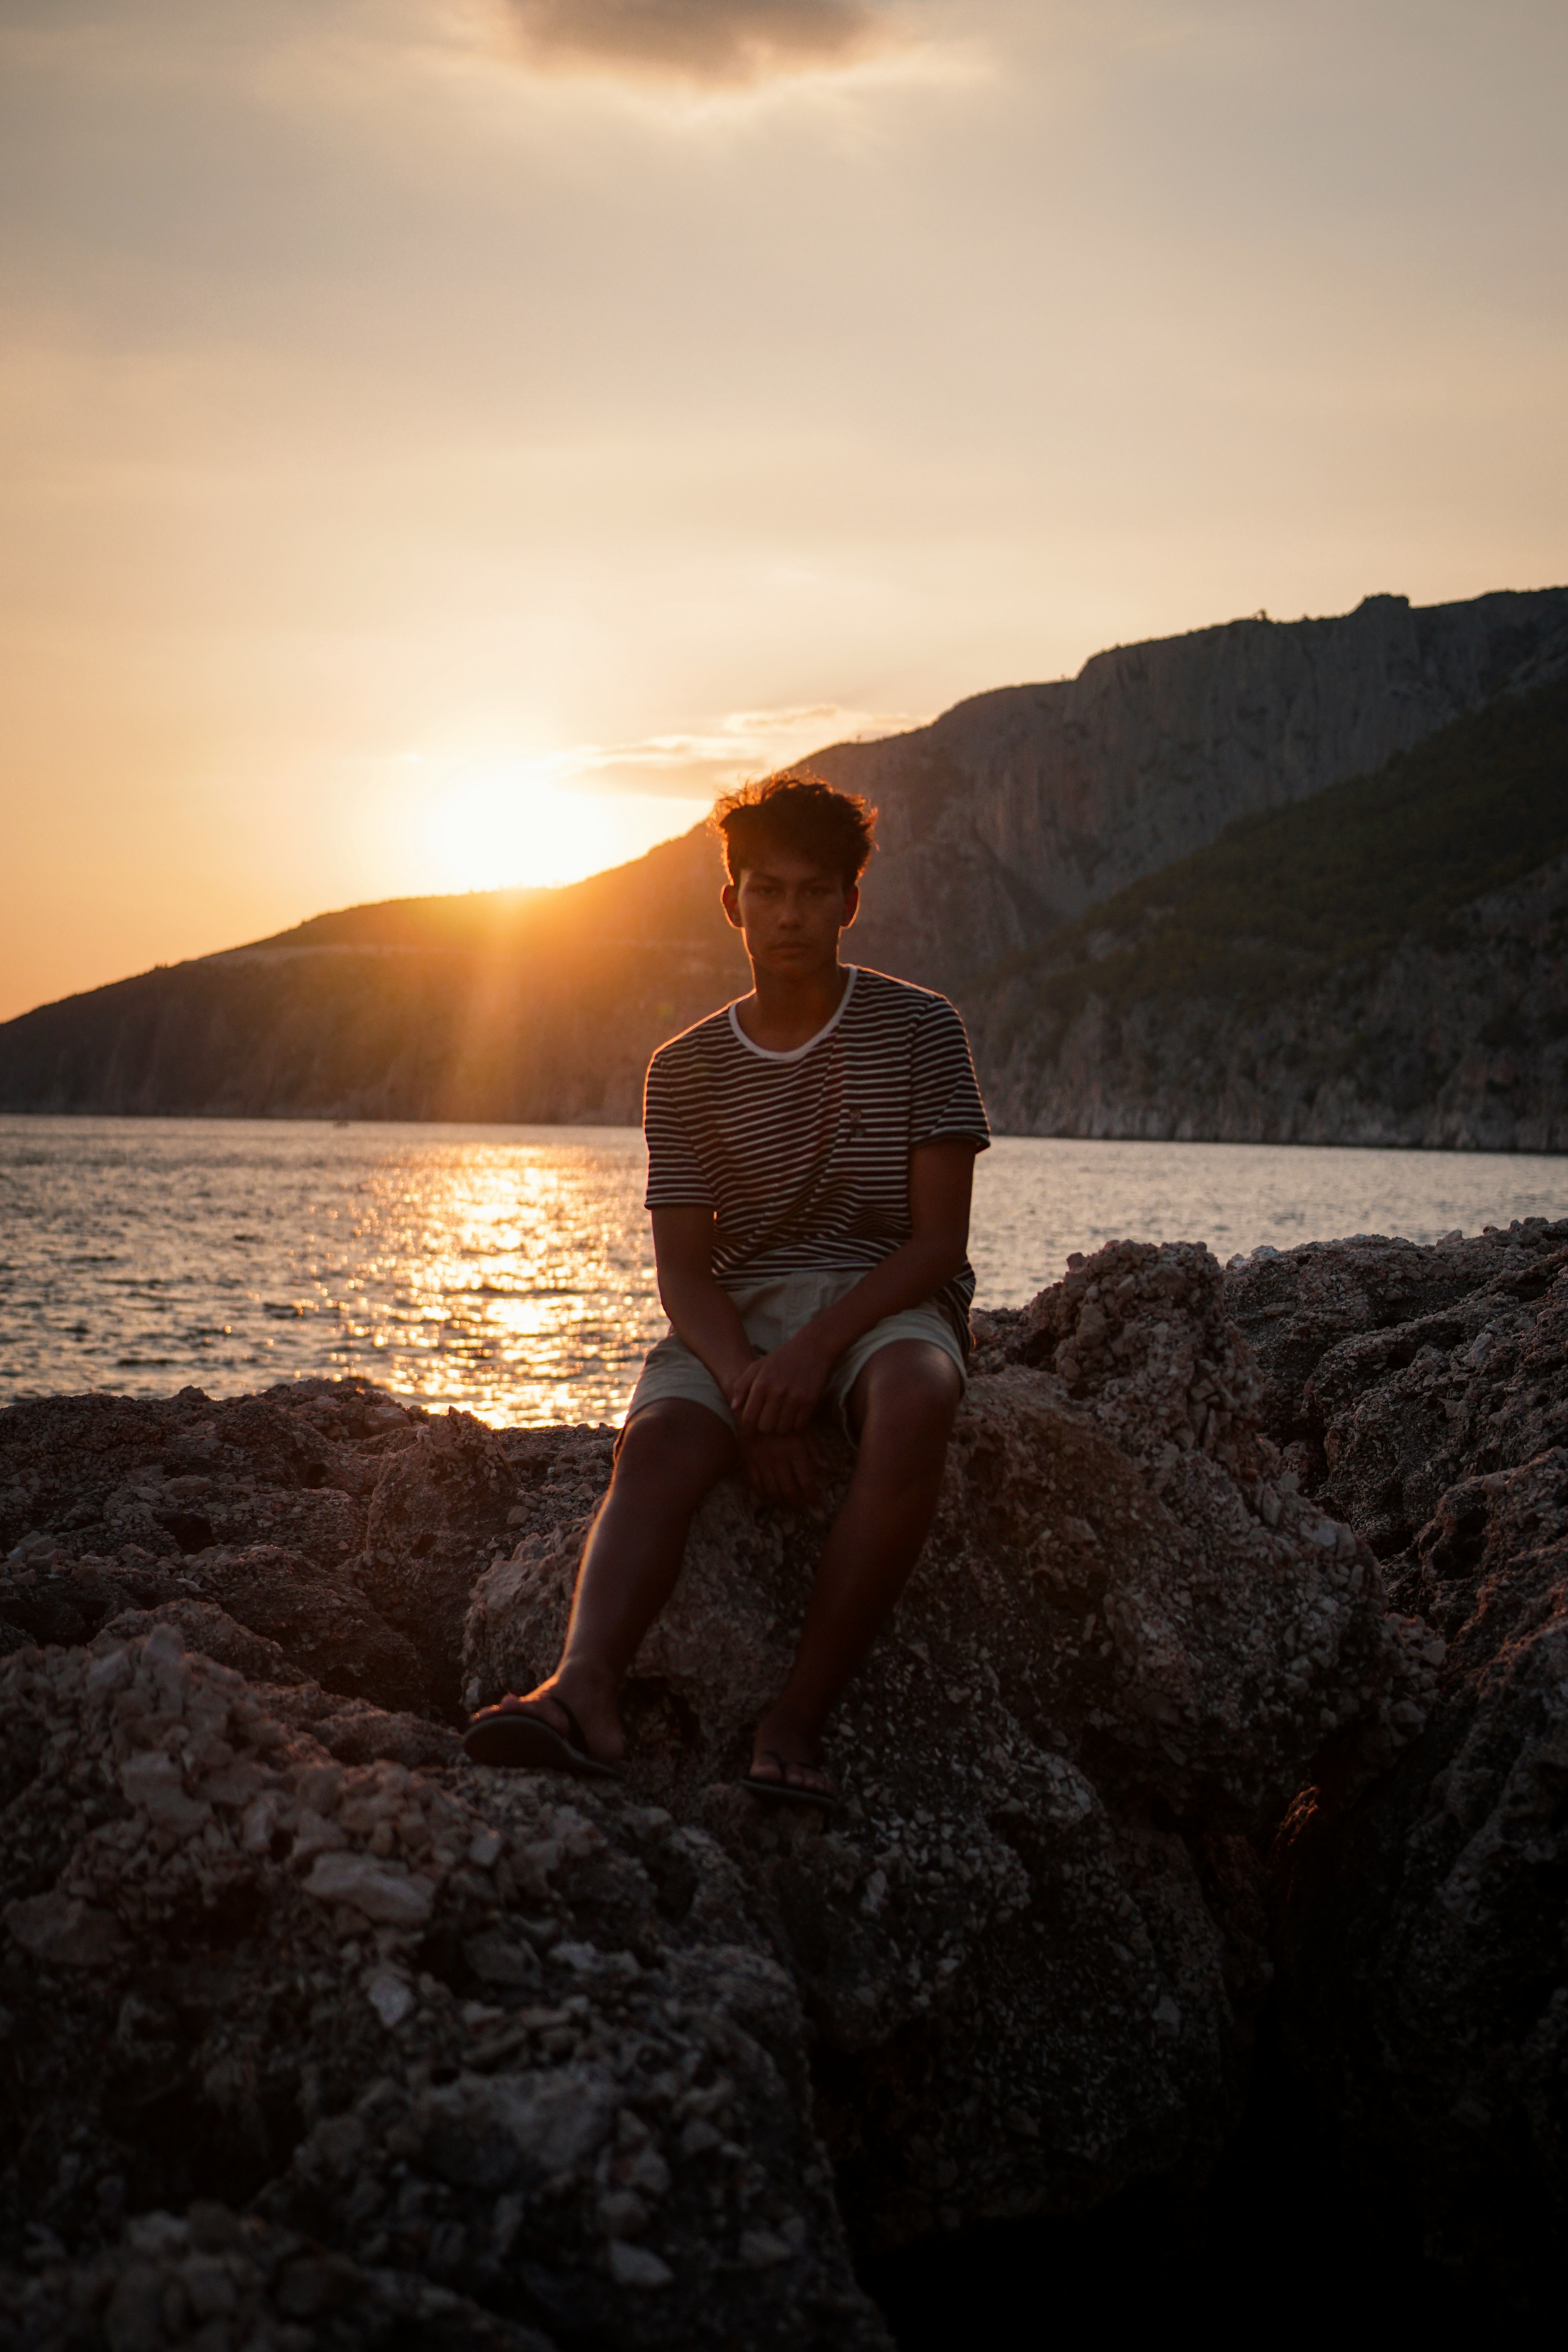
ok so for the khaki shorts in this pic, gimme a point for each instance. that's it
(773, 1312)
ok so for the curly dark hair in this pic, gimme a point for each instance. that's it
(796, 810)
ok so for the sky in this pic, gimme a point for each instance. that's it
(445, 441)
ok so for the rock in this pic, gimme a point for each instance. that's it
(1419, 1916)
(155, 1471)
(262, 1994)
(61, 1934)
(540, 2043)
(633, 2267)
(1389, 1369)
(164, 2284)
(1126, 1641)
(382, 1891)
(437, 1515)
(319, 1619)
(255, 1505)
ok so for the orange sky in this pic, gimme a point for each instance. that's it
(447, 438)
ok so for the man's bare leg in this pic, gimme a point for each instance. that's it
(670, 1456)
(903, 1404)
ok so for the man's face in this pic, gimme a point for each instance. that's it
(791, 911)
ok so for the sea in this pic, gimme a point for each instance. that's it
(508, 1270)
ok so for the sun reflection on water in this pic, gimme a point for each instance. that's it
(509, 1270)
(504, 1270)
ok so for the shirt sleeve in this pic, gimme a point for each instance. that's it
(946, 1093)
(674, 1179)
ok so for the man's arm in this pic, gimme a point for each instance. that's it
(700, 1309)
(777, 1393)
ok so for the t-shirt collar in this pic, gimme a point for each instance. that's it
(799, 1052)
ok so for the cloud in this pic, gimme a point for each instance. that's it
(744, 744)
(726, 43)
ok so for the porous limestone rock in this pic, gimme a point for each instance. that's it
(1421, 1919)
(622, 2065)
(1027, 1942)
(212, 2280)
(253, 1506)
(455, 2038)
(1389, 1369)
(444, 1508)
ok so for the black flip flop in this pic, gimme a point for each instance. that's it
(527, 1740)
(785, 1792)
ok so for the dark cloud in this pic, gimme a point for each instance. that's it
(722, 41)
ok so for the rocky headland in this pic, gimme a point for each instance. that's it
(1004, 822)
(1229, 1696)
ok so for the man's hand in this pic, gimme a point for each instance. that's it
(778, 1394)
(782, 1469)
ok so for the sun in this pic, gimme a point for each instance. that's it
(497, 828)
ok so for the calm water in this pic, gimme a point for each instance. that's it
(507, 1269)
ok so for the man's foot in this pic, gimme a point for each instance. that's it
(544, 1733)
(781, 1779)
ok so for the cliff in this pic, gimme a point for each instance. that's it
(1381, 964)
(1004, 819)
(1018, 810)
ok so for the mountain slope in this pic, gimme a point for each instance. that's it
(1020, 809)
(1385, 963)
(1002, 821)
(495, 1006)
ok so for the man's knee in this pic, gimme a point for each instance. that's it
(908, 1394)
(672, 1446)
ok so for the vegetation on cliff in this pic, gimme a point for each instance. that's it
(1282, 899)
(1384, 963)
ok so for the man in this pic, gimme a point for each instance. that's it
(811, 1150)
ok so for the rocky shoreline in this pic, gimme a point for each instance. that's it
(1231, 1697)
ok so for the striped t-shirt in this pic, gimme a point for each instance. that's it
(803, 1157)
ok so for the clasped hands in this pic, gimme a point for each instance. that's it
(773, 1401)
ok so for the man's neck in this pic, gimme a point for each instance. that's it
(782, 1013)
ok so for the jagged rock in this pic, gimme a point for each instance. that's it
(461, 2032)
(108, 1503)
(1127, 1639)
(103, 1471)
(1420, 1918)
(548, 2046)
(437, 1516)
(217, 2282)
(319, 1619)
(1390, 1369)
(351, 1729)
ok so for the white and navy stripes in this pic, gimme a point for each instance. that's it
(805, 1156)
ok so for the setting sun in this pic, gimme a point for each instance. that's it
(499, 825)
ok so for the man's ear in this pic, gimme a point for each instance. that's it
(851, 904)
(730, 900)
